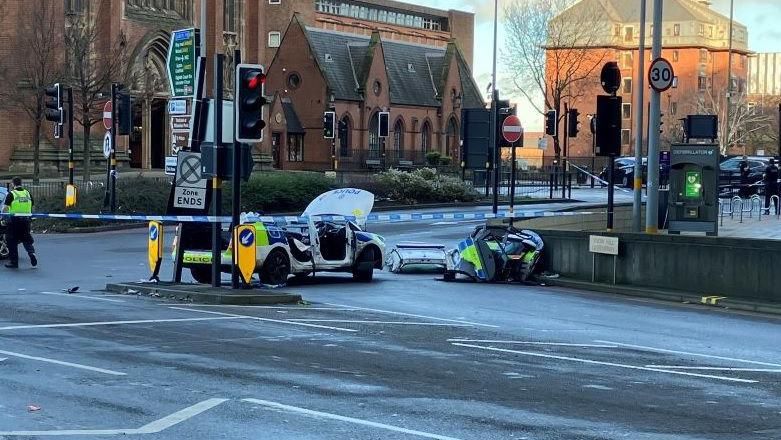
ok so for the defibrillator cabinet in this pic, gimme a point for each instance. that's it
(693, 204)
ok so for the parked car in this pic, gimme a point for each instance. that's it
(624, 171)
(729, 176)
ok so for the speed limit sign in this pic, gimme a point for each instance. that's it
(660, 75)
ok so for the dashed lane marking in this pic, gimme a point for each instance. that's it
(457, 321)
(100, 323)
(151, 428)
(353, 420)
(608, 364)
(71, 295)
(65, 364)
(257, 318)
(688, 353)
(556, 344)
(683, 367)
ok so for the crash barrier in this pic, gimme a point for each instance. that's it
(724, 266)
(371, 218)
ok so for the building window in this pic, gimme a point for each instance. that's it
(294, 80)
(629, 33)
(230, 16)
(626, 136)
(451, 139)
(425, 137)
(377, 88)
(627, 86)
(675, 55)
(274, 2)
(617, 30)
(328, 6)
(295, 147)
(274, 39)
(374, 136)
(627, 59)
(710, 31)
(701, 32)
(74, 6)
(626, 110)
(345, 132)
(677, 30)
(703, 55)
(398, 135)
(702, 83)
(673, 108)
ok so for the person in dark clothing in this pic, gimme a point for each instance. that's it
(744, 191)
(19, 201)
(771, 184)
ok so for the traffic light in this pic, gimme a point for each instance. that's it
(250, 99)
(572, 123)
(503, 111)
(54, 110)
(124, 113)
(551, 123)
(384, 124)
(608, 125)
(329, 125)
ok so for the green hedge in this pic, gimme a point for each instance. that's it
(279, 191)
(421, 186)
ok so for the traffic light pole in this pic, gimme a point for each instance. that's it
(640, 98)
(610, 192)
(566, 151)
(219, 60)
(652, 203)
(71, 164)
(113, 158)
(235, 186)
(495, 152)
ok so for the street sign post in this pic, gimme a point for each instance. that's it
(661, 75)
(107, 111)
(181, 63)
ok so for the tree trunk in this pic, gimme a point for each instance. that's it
(37, 152)
(87, 161)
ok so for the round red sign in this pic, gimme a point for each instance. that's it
(512, 129)
(107, 115)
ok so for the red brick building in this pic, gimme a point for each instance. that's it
(695, 41)
(143, 29)
(423, 87)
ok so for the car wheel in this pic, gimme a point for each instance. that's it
(276, 268)
(202, 274)
(363, 270)
(450, 276)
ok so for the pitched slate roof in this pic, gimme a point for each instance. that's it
(291, 117)
(414, 71)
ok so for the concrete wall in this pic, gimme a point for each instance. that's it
(731, 267)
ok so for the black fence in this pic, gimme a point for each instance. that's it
(56, 188)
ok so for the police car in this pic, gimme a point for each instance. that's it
(319, 241)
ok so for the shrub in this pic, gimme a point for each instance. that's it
(422, 185)
(281, 191)
(432, 158)
(445, 161)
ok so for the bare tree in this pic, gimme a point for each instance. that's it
(91, 71)
(35, 63)
(552, 53)
(741, 125)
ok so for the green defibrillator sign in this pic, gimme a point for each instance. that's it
(693, 184)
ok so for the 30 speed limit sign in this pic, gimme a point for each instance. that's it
(661, 75)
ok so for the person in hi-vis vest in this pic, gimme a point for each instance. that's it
(19, 201)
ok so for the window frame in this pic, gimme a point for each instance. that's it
(279, 39)
(298, 154)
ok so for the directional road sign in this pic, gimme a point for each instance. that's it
(512, 129)
(181, 63)
(661, 75)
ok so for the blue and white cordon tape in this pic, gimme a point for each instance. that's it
(371, 218)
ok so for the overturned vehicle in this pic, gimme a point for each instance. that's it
(321, 240)
(495, 253)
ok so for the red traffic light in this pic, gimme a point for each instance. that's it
(254, 79)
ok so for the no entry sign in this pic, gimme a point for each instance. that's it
(512, 129)
(107, 115)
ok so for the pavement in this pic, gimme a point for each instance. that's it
(406, 357)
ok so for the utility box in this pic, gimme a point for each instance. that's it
(693, 204)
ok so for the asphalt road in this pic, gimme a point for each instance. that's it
(405, 357)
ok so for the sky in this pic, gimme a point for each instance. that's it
(761, 17)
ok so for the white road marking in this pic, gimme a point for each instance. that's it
(609, 364)
(71, 295)
(413, 315)
(65, 364)
(230, 306)
(682, 367)
(99, 323)
(348, 321)
(151, 428)
(279, 321)
(663, 350)
(3, 359)
(558, 344)
(362, 422)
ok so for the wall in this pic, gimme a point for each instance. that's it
(731, 267)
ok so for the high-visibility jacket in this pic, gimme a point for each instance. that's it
(22, 202)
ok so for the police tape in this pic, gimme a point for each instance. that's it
(597, 178)
(371, 218)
